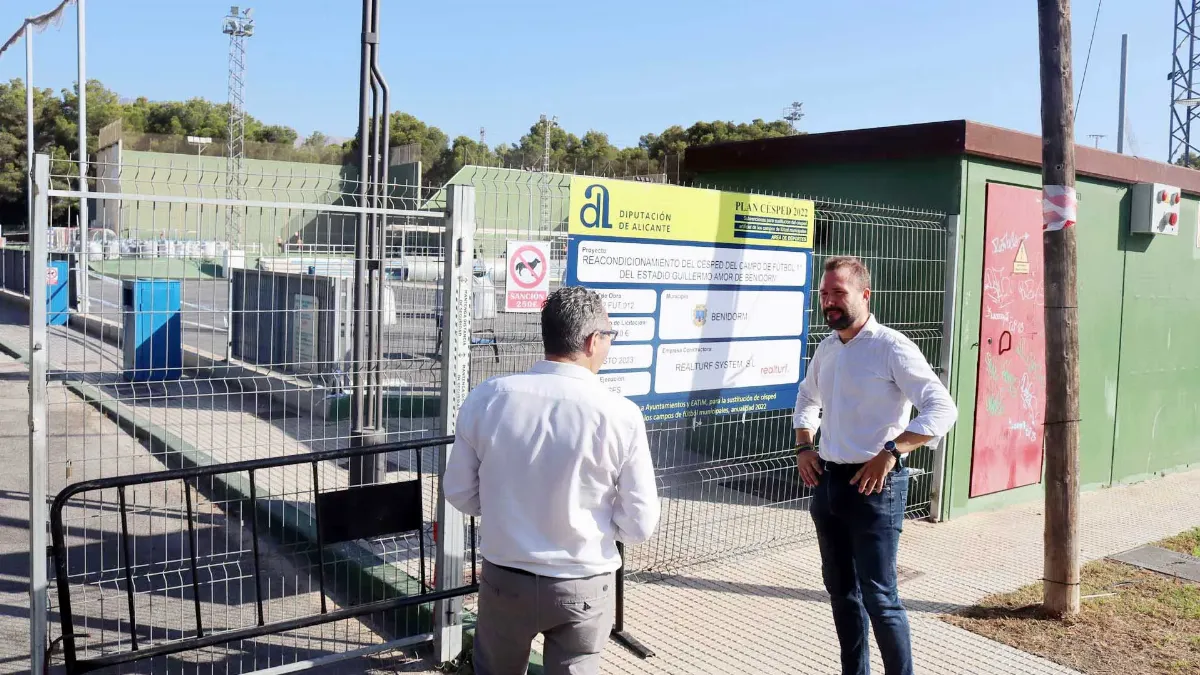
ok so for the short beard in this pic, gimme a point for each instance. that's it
(841, 323)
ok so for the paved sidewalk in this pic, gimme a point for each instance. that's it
(770, 614)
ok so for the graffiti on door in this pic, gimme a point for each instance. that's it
(1010, 404)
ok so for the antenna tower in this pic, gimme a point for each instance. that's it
(238, 26)
(1185, 99)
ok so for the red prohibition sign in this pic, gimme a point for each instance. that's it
(527, 258)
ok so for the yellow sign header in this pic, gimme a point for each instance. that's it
(618, 208)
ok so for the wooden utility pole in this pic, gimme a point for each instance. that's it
(1061, 567)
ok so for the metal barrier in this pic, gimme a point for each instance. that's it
(98, 415)
(339, 516)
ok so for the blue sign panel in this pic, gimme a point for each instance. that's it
(704, 327)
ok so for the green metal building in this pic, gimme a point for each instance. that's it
(1139, 293)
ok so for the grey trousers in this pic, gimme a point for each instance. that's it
(575, 617)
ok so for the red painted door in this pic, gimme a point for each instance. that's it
(1011, 391)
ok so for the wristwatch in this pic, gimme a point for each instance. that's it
(890, 446)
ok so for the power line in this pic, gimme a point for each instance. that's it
(1088, 60)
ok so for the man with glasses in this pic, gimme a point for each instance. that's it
(558, 467)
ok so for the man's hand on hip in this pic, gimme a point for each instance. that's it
(871, 478)
(809, 463)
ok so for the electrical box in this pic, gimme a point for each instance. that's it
(1155, 209)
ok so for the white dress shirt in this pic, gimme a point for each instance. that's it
(559, 469)
(867, 388)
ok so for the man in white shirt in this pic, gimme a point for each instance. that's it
(859, 390)
(559, 469)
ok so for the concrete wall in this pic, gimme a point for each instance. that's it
(508, 205)
(156, 173)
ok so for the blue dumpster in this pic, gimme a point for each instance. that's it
(58, 292)
(152, 337)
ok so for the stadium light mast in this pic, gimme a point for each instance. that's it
(547, 125)
(239, 25)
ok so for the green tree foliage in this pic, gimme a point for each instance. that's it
(1191, 160)
(56, 134)
(50, 128)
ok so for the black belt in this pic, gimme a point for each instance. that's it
(838, 467)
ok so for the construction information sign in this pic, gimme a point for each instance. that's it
(708, 291)
(527, 280)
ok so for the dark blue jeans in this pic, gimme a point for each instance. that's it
(859, 535)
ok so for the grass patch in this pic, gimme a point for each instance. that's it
(1131, 620)
(1186, 542)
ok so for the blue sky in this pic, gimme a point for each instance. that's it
(624, 67)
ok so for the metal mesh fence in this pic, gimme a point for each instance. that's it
(211, 348)
(728, 484)
(187, 346)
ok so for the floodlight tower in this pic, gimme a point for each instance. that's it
(1185, 98)
(547, 124)
(238, 26)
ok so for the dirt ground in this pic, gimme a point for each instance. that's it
(1132, 621)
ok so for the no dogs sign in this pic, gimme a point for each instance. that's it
(527, 282)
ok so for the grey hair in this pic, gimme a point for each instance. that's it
(569, 316)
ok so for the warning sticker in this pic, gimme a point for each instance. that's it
(1021, 264)
(527, 282)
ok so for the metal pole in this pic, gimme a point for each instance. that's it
(382, 140)
(458, 250)
(38, 229)
(372, 385)
(1121, 97)
(84, 240)
(618, 632)
(358, 328)
(200, 227)
(29, 124)
(367, 469)
(949, 338)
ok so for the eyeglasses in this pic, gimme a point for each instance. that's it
(609, 333)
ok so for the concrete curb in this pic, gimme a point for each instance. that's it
(324, 403)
